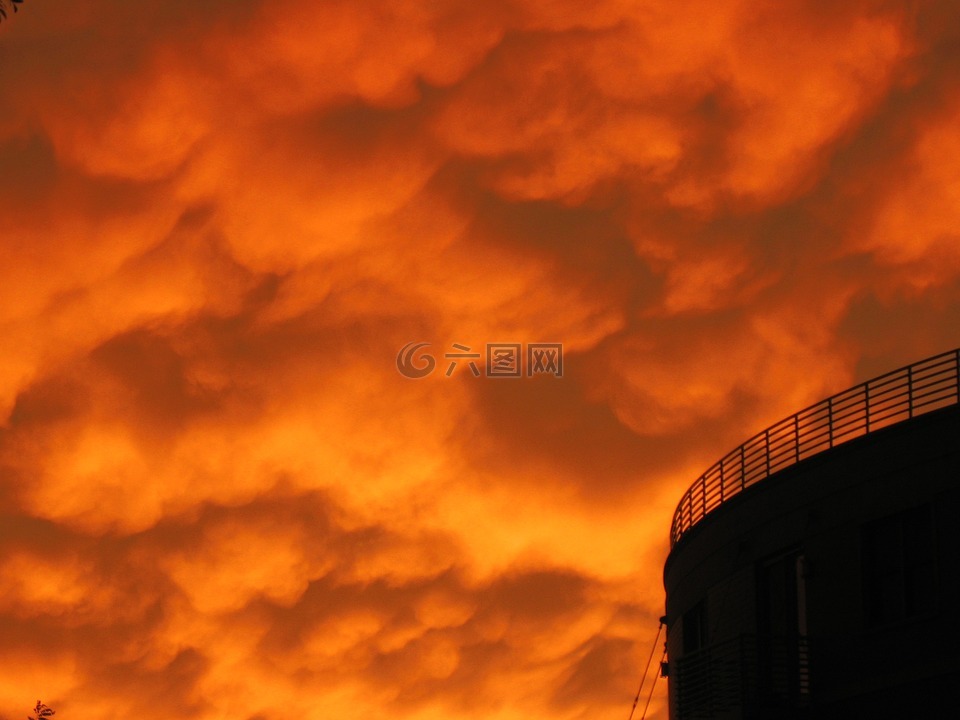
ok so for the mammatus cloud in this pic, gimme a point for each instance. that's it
(220, 221)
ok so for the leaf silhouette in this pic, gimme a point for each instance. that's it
(5, 3)
(40, 711)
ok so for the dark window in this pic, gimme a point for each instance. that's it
(695, 628)
(783, 671)
(899, 570)
(777, 604)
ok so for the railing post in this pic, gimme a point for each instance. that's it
(703, 495)
(743, 469)
(766, 438)
(830, 420)
(910, 391)
(796, 434)
(721, 480)
(866, 408)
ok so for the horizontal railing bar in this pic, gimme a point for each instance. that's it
(934, 377)
(934, 401)
(881, 401)
(854, 424)
(901, 381)
(848, 411)
(920, 388)
(892, 413)
(942, 360)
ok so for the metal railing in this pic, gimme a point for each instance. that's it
(899, 395)
(748, 672)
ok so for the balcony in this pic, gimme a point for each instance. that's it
(747, 676)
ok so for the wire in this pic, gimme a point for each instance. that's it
(652, 686)
(646, 668)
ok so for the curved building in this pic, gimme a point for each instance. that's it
(814, 571)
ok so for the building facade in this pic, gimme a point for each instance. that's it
(815, 570)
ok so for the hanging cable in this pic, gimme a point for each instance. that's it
(652, 686)
(645, 669)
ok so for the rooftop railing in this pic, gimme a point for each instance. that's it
(913, 390)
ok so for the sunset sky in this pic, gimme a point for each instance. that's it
(221, 220)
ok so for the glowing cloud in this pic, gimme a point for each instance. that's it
(219, 223)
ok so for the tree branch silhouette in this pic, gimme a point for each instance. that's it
(5, 4)
(41, 711)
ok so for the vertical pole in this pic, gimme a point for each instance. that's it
(743, 469)
(703, 496)
(866, 407)
(830, 420)
(766, 438)
(721, 480)
(796, 434)
(910, 391)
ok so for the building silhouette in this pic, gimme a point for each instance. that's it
(814, 571)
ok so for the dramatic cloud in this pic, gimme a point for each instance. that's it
(221, 221)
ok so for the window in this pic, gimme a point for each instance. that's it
(899, 570)
(695, 628)
(783, 667)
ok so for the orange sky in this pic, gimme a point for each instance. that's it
(221, 220)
